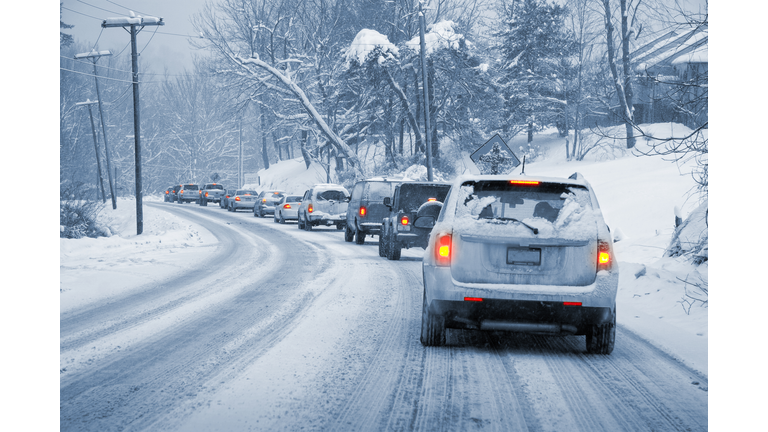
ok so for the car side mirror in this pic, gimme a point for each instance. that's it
(388, 202)
(424, 222)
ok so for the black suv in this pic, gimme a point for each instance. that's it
(366, 208)
(413, 210)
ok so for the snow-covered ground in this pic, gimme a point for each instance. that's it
(638, 196)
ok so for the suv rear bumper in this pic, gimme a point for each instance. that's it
(325, 218)
(517, 307)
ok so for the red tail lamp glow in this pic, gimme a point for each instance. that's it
(571, 303)
(603, 255)
(206, 194)
(404, 220)
(200, 192)
(363, 211)
(431, 199)
(474, 299)
(166, 192)
(443, 250)
(237, 198)
(310, 209)
(524, 182)
(287, 206)
(181, 191)
(263, 200)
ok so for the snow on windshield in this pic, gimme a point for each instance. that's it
(561, 211)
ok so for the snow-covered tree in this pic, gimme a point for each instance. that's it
(536, 51)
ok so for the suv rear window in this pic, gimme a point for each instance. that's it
(214, 187)
(335, 195)
(501, 200)
(293, 199)
(196, 187)
(245, 192)
(413, 196)
(378, 190)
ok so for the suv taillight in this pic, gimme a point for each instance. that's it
(404, 220)
(237, 198)
(206, 194)
(310, 209)
(363, 211)
(443, 250)
(287, 206)
(604, 259)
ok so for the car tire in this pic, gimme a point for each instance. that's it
(349, 235)
(359, 237)
(282, 219)
(393, 249)
(308, 225)
(339, 226)
(382, 248)
(432, 326)
(601, 338)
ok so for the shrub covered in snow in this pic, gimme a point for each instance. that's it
(78, 217)
(692, 236)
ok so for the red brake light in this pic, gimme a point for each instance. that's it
(310, 209)
(524, 182)
(200, 192)
(363, 211)
(287, 206)
(226, 196)
(603, 255)
(431, 199)
(237, 198)
(571, 303)
(206, 194)
(477, 299)
(181, 191)
(404, 220)
(166, 192)
(443, 247)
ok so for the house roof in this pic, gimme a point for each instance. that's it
(673, 48)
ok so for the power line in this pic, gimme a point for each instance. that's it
(96, 7)
(80, 13)
(116, 4)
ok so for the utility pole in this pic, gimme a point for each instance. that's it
(95, 146)
(422, 30)
(132, 22)
(93, 55)
(240, 173)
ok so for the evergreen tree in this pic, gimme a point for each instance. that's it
(535, 50)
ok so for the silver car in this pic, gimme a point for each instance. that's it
(287, 208)
(243, 199)
(521, 254)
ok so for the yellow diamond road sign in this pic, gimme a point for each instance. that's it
(495, 157)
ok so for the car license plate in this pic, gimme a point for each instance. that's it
(523, 256)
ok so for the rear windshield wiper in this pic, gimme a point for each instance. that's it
(535, 230)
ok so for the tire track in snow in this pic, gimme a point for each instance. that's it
(134, 388)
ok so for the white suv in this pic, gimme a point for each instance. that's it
(521, 254)
(324, 204)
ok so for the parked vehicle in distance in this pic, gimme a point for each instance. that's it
(188, 193)
(413, 210)
(242, 199)
(224, 203)
(265, 202)
(324, 204)
(167, 197)
(522, 254)
(366, 208)
(287, 208)
(213, 192)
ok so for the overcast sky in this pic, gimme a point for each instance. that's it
(166, 49)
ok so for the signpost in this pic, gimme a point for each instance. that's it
(495, 157)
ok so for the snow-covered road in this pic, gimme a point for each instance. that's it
(282, 329)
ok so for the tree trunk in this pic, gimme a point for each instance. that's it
(264, 155)
(621, 89)
(303, 145)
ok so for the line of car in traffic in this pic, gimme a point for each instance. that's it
(502, 253)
